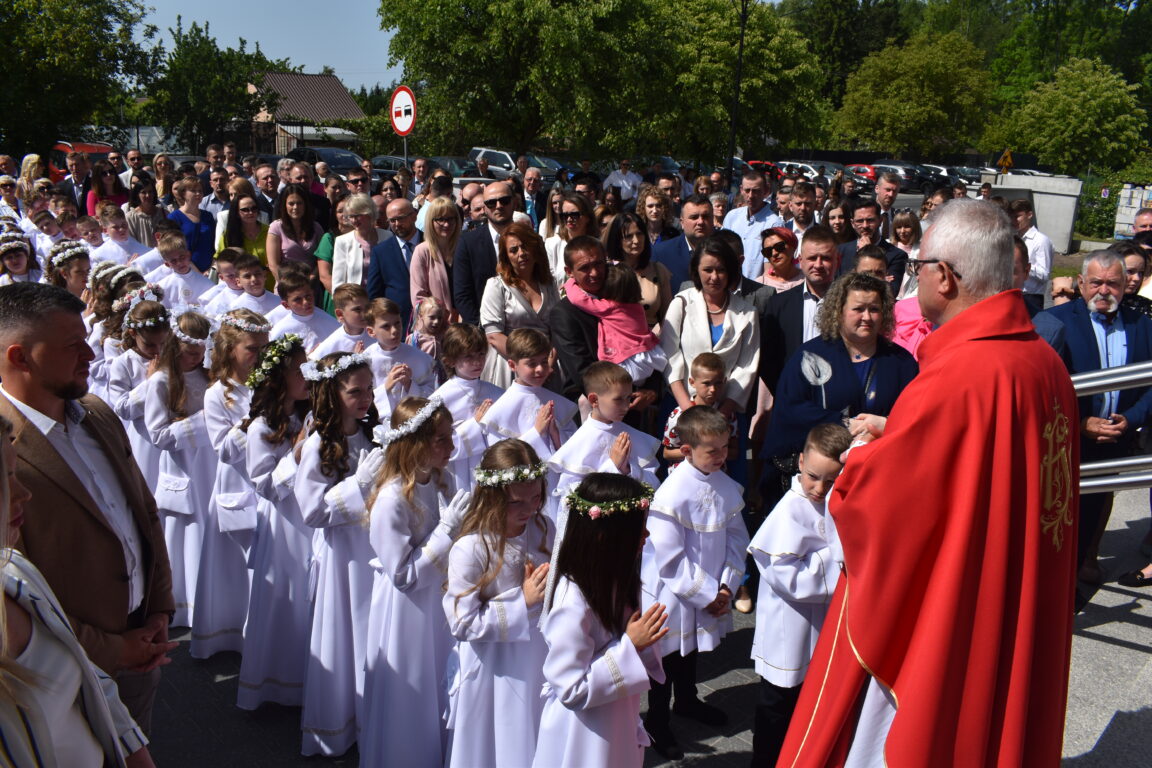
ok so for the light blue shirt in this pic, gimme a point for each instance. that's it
(1112, 344)
(750, 229)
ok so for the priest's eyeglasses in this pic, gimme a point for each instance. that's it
(915, 265)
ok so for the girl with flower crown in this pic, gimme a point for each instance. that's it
(497, 571)
(279, 623)
(411, 528)
(68, 266)
(108, 285)
(174, 417)
(143, 331)
(338, 468)
(16, 262)
(222, 589)
(601, 649)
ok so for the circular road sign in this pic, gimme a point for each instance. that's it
(402, 110)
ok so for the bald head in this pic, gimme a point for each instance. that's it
(402, 218)
(498, 203)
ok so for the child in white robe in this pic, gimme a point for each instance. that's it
(693, 562)
(497, 571)
(526, 410)
(303, 319)
(413, 521)
(144, 329)
(184, 283)
(467, 396)
(250, 277)
(279, 625)
(220, 297)
(174, 416)
(401, 370)
(602, 652)
(351, 303)
(604, 443)
(110, 285)
(222, 587)
(338, 468)
(796, 554)
(118, 245)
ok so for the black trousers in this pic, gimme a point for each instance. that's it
(679, 676)
(774, 709)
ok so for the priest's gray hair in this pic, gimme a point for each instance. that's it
(1105, 259)
(975, 237)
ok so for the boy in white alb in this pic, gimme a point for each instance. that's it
(351, 303)
(796, 552)
(250, 278)
(693, 561)
(526, 410)
(184, 283)
(299, 298)
(604, 443)
(118, 246)
(218, 299)
(400, 370)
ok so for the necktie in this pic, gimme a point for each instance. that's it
(407, 246)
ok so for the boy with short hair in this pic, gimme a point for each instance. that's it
(89, 229)
(604, 443)
(706, 379)
(250, 278)
(527, 410)
(401, 370)
(118, 246)
(351, 303)
(184, 283)
(151, 263)
(796, 553)
(47, 234)
(693, 561)
(67, 223)
(299, 298)
(219, 298)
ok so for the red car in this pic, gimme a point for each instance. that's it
(58, 157)
(866, 171)
(766, 167)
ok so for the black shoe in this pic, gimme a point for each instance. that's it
(694, 709)
(664, 742)
(1134, 579)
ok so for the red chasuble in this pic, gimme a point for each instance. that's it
(959, 535)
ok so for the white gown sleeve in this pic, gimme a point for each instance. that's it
(325, 501)
(264, 465)
(408, 562)
(219, 420)
(166, 433)
(735, 549)
(580, 675)
(686, 579)
(503, 618)
(798, 578)
(125, 395)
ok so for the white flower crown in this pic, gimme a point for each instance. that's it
(99, 271)
(129, 300)
(383, 436)
(10, 241)
(122, 273)
(244, 325)
(496, 478)
(312, 371)
(174, 323)
(147, 322)
(66, 250)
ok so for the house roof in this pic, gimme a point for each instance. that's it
(317, 99)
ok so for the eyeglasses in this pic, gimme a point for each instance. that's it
(570, 215)
(443, 220)
(248, 209)
(398, 219)
(915, 265)
(495, 201)
(780, 247)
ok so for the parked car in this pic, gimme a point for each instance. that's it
(387, 165)
(967, 174)
(912, 179)
(339, 161)
(862, 169)
(457, 165)
(768, 168)
(939, 173)
(810, 170)
(502, 163)
(58, 155)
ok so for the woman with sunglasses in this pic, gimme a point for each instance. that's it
(245, 230)
(294, 233)
(577, 218)
(106, 186)
(780, 269)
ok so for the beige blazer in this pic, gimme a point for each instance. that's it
(69, 540)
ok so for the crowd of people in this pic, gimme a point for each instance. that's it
(462, 471)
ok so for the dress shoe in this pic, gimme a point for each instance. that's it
(663, 741)
(1134, 579)
(1090, 573)
(694, 709)
(743, 602)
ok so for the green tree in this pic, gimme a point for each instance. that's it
(1087, 115)
(926, 96)
(64, 61)
(203, 88)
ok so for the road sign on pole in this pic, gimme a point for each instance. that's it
(402, 111)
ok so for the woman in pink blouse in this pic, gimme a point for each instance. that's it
(294, 234)
(431, 269)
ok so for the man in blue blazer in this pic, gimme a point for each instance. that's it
(1099, 333)
(676, 253)
(475, 259)
(866, 223)
(388, 274)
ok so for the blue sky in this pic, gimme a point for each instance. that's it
(345, 36)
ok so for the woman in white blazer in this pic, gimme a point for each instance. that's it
(351, 251)
(709, 317)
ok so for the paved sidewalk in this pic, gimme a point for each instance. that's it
(1109, 722)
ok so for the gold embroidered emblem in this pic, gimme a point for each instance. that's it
(1056, 479)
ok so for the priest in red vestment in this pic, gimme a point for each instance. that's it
(949, 637)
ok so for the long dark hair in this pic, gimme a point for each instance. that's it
(614, 239)
(286, 221)
(602, 556)
(328, 419)
(234, 235)
(270, 398)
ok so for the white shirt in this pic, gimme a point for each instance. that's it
(812, 304)
(628, 181)
(750, 226)
(85, 456)
(1039, 260)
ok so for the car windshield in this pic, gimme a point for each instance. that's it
(340, 158)
(536, 161)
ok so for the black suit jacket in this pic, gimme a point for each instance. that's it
(897, 261)
(321, 210)
(781, 333)
(80, 195)
(474, 263)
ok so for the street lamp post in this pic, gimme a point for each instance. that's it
(734, 115)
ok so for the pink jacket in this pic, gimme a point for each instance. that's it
(429, 278)
(623, 330)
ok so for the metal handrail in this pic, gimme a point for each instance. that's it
(1123, 482)
(1129, 472)
(1113, 466)
(1109, 379)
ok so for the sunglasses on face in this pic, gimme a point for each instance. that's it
(248, 209)
(570, 215)
(495, 201)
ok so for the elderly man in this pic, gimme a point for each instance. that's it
(676, 253)
(1100, 333)
(388, 266)
(957, 533)
(471, 191)
(751, 219)
(92, 529)
(1143, 222)
(266, 188)
(475, 259)
(535, 196)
